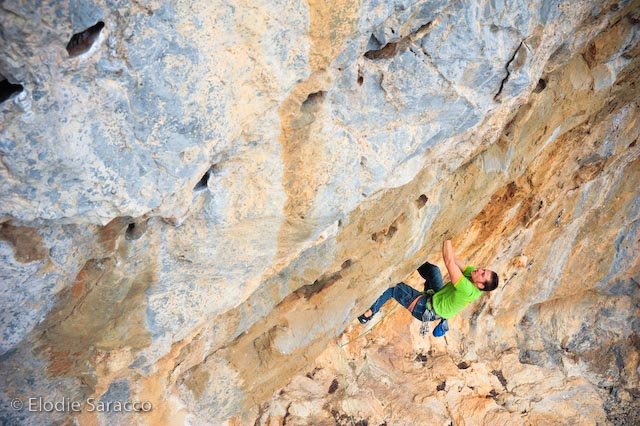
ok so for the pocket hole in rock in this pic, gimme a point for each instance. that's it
(204, 180)
(135, 231)
(542, 84)
(334, 386)
(81, 42)
(421, 358)
(313, 101)
(8, 89)
(391, 232)
(421, 201)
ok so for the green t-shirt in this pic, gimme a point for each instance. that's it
(451, 299)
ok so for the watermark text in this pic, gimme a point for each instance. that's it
(67, 405)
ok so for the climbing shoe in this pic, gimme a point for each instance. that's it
(441, 328)
(364, 319)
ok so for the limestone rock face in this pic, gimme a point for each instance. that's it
(198, 198)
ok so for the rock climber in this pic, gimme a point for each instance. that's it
(439, 301)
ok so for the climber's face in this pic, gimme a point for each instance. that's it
(480, 277)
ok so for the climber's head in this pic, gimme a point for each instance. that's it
(484, 279)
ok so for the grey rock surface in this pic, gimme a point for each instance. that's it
(186, 184)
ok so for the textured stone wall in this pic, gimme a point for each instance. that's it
(198, 199)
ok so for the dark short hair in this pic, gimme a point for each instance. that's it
(492, 284)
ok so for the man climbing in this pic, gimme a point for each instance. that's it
(439, 301)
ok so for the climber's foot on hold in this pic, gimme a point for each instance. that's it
(364, 318)
(441, 328)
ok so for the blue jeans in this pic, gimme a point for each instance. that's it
(405, 294)
(433, 277)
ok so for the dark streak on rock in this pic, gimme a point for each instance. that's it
(506, 67)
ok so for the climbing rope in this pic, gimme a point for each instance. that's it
(345, 401)
(369, 330)
(343, 364)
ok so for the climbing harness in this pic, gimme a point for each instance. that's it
(413, 304)
(428, 315)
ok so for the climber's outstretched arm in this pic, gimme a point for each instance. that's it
(455, 272)
(460, 264)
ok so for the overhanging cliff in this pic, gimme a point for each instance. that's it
(199, 199)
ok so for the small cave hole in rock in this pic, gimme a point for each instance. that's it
(133, 232)
(387, 51)
(542, 84)
(334, 386)
(204, 180)
(131, 229)
(8, 89)
(421, 201)
(313, 101)
(391, 231)
(81, 42)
